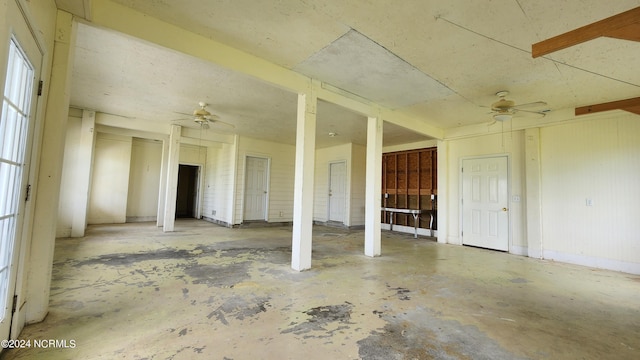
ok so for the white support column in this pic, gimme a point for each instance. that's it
(84, 162)
(303, 188)
(162, 192)
(443, 191)
(372, 246)
(231, 200)
(173, 165)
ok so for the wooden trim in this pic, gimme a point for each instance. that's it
(631, 105)
(621, 26)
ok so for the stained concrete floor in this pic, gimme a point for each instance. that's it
(207, 292)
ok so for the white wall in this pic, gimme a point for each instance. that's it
(597, 159)
(281, 177)
(588, 175)
(219, 184)
(144, 180)
(324, 157)
(509, 143)
(70, 174)
(354, 157)
(110, 181)
(358, 182)
(192, 154)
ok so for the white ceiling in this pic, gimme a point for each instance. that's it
(439, 61)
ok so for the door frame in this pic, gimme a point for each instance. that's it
(265, 216)
(461, 186)
(22, 31)
(346, 192)
(199, 193)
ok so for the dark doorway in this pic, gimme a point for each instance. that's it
(187, 191)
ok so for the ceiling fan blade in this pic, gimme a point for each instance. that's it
(215, 122)
(542, 112)
(530, 105)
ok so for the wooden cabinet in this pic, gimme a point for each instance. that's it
(409, 179)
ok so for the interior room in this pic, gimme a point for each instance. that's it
(245, 179)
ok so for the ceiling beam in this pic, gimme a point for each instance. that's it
(630, 105)
(622, 26)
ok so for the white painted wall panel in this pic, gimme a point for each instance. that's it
(192, 154)
(509, 142)
(218, 184)
(281, 181)
(110, 183)
(144, 180)
(358, 184)
(324, 157)
(590, 192)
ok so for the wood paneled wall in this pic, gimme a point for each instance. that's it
(409, 178)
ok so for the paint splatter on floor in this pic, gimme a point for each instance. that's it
(323, 321)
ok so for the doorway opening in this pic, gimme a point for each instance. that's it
(187, 193)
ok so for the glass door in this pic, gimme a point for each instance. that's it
(14, 136)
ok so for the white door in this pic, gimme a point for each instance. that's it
(485, 212)
(337, 191)
(16, 132)
(256, 185)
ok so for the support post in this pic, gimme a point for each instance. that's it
(173, 166)
(443, 191)
(303, 188)
(162, 192)
(372, 231)
(85, 163)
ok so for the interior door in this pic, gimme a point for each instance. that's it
(256, 185)
(485, 216)
(16, 133)
(337, 191)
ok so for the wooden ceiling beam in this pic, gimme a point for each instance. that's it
(631, 105)
(622, 26)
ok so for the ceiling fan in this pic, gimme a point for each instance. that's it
(204, 118)
(504, 109)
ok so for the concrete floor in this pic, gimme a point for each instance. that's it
(207, 292)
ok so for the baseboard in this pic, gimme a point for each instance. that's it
(217, 222)
(337, 224)
(134, 219)
(63, 233)
(594, 262)
(519, 250)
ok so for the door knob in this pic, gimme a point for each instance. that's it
(504, 209)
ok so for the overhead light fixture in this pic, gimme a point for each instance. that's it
(502, 117)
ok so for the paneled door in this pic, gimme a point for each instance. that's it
(337, 191)
(485, 212)
(16, 132)
(256, 188)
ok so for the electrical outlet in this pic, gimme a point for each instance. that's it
(213, 212)
(589, 202)
(281, 214)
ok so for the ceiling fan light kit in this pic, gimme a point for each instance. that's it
(502, 117)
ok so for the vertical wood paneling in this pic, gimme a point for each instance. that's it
(590, 190)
